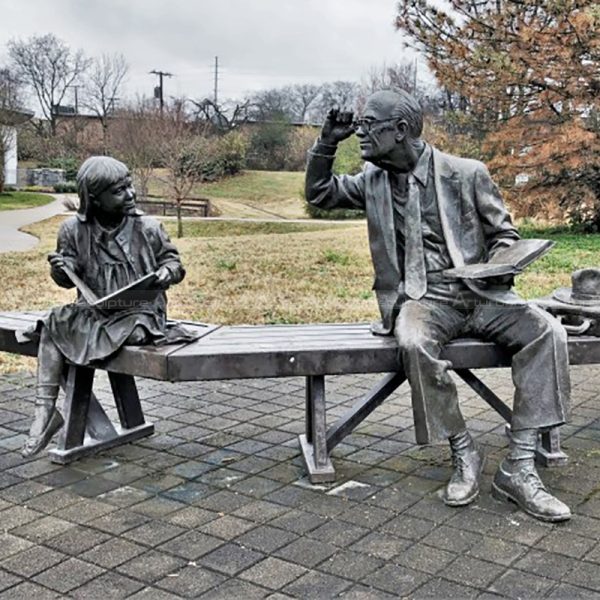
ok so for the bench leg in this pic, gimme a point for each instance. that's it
(88, 430)
(549, 452)
(314, 442)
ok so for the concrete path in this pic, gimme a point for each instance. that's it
(13, 240)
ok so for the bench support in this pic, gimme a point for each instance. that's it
(314, 442)
(87, 428)
(548, 453)
(319, 441)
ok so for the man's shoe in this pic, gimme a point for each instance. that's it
(36, 443)
(463, 486)
(525, 488)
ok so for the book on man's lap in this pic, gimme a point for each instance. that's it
(506, 261)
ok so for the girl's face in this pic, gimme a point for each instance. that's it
(117, 199)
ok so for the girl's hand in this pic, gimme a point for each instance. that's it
(163, 276)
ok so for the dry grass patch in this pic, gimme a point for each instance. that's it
(251, 194)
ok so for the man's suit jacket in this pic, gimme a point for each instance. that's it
(474, 220)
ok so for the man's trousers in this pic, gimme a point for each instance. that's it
(540, 368)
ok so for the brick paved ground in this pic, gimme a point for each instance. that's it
(215, 505)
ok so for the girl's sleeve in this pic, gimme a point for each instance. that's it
(167, 255)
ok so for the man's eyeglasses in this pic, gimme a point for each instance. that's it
(367, 124)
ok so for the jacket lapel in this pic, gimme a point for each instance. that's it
(447, 189)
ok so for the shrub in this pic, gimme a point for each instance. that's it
(68, 187)
(70, 164)
(336, 214)
(227, 156)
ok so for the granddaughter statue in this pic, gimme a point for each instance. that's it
(108, 245)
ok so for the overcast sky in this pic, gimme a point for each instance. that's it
(260, 43)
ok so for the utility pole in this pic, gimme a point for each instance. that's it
(216, 95)
(158, 91)
(76, 87)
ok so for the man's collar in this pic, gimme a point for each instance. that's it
(421, 170)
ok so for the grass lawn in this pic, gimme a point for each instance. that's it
(270, 273)
(252, 194)
(18, 200)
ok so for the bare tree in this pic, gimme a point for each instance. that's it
(400, 76)
(301, 96)
(135, 137)
(10, 116)
(182, 150)
(221, 117)
(103, 84)
(337, 93)
(47, 65)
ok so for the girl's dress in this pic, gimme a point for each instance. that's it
(107, 260)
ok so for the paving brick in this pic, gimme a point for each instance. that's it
(76, 540)
(153, 533)
(12, 544)
(339, 533)
(8, 580)
(515, 584)
(306, 552)
(230, 559)
(266, 538)
(273, 573)
(498, 551)
(227, 527)
(151, 566)
(424, 558)
(361, 592)
(570, 592)
(191, 545)
(28, 590)
(442, 588)
(32, 561)
(108, 585)
(43, 529)
(68, 575)
(191, 517)
(112, 553)
(397, 580)
(316, 585)
(381, 545)
(191, 581)
(546, 564)
(471, 571)
(119, 521)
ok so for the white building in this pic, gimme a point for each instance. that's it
(8, 136)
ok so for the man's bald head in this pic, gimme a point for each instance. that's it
(398, 105)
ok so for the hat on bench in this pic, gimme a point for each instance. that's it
(585, 290)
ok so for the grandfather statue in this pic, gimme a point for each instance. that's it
(427, 212)
(107, 246)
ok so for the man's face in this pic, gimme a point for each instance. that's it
(117, 199)
(376, 132)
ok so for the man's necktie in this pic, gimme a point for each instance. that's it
(415, 276)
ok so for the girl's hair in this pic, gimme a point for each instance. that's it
(95, 175)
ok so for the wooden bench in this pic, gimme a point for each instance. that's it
(240, 352)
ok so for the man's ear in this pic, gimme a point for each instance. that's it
(401, 130)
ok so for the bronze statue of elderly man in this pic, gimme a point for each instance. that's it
(428, 212)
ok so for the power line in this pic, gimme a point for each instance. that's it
(158, 91)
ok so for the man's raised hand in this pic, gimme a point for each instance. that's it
(337, 127)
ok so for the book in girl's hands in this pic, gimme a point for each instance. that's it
(506, 261)
(136, 294)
